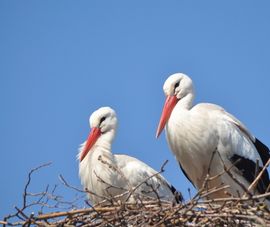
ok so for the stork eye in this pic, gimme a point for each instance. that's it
(102, 119)
(176, 85)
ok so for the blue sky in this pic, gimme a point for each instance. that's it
(61, 60)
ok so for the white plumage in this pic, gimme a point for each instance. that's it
(107, 175)
(194, 133)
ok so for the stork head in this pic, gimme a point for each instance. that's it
(103, 122)
(176, 87)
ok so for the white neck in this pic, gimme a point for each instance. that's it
(186, 102)
(105, 140)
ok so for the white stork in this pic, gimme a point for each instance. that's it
(204, 132)
(106, 175)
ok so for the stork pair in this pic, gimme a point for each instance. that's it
(205, 139)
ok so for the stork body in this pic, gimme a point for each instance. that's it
(205, 138)
(109, 176)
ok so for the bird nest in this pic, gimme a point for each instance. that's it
(233, 212)
(248, 210)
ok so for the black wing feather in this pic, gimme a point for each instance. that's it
(248, 168)
(178, 195)
(263, 150)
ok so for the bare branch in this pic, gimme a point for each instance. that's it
(256, 180)
(29, 180)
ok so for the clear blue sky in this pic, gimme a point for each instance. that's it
(61, 60)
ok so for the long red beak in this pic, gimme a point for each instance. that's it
(166, 113)
(92, 138)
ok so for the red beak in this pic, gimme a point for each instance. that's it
(92, 138)
(166, 113)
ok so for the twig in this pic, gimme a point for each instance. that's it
(256, 180)
(29, 180)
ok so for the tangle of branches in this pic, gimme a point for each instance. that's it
(247, 210)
